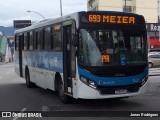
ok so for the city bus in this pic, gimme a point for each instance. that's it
(85, 55)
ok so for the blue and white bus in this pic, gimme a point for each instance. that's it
(88, 55)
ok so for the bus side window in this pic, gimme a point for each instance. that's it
(31, 40)
(47, 38)
(36, 40)
(22, 39)
(40, 42)
(28, 40)
(25, 41)
(56, 41)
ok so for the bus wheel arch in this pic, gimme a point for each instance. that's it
(59, 86)
(29, 84)
(57, 79)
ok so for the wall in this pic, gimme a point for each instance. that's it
(110, 5)
(149, 9)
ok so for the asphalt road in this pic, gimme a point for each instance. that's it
(15, 96)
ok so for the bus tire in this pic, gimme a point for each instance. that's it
(29, 84)
(64, 98)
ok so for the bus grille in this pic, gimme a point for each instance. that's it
(111, 90)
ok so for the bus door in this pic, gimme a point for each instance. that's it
(68, 57)
(20, 55)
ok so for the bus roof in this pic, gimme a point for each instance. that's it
(68, 17)
(48, 22)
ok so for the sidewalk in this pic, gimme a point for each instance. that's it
(2, 63)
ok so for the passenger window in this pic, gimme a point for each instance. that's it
(40, 41)
(47, 38)
(36, 40)
(57, 41)
(26, 41)
(31, 41)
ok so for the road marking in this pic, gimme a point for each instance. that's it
(52, 108)
(24, 109)
(45, 108)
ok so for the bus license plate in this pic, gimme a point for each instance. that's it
(120, 91)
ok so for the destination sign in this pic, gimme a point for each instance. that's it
(57, 27)
(114, 19)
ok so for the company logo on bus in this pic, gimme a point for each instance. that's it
(115, 19)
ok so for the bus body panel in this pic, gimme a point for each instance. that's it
(43, 78)
(45, 60)
(42, 67)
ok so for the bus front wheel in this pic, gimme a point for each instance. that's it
(64, 98)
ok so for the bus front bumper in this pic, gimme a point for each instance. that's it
(86, 92)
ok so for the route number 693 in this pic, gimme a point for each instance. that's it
(95, 18)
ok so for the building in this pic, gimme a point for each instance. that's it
(158, 11)
(112, 5)
(149, 9)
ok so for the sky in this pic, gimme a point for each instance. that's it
(17, 9)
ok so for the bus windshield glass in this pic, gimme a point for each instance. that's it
(109, 47)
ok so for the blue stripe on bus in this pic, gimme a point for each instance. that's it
(51, 61)
(114, 81)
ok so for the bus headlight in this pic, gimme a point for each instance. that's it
(88, 82)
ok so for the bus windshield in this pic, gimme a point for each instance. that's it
(106, 47)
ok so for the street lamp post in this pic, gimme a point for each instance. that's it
(125, 6)
(61, 6)
(37, 13)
